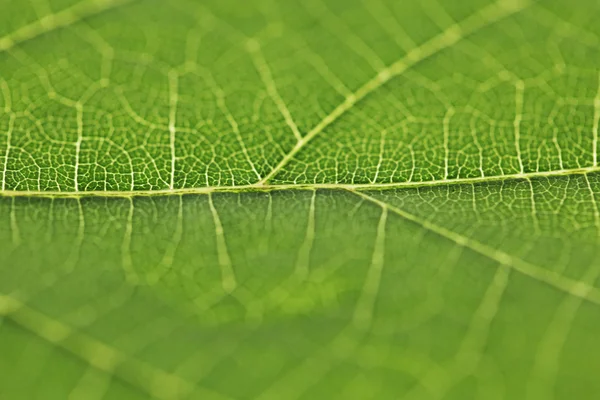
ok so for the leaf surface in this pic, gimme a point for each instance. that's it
(302, 199)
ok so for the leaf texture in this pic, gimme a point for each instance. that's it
(299, 200)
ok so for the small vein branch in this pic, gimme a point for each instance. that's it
(595, 125)
(173, 98)
(264, 71)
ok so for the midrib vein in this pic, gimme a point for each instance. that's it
(60, 19)
(258, 187)
(452, 35)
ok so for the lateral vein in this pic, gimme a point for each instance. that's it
(58, 20)
(444, 40)
(564, 284)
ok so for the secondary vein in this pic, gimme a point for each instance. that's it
(455, 33)
(61, 19)
(564, 284)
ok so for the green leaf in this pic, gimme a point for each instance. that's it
(316, 199)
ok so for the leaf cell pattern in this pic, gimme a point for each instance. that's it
(285, 200)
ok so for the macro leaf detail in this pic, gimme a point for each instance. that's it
(301, 199)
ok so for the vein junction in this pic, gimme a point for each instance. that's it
(449, 36)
